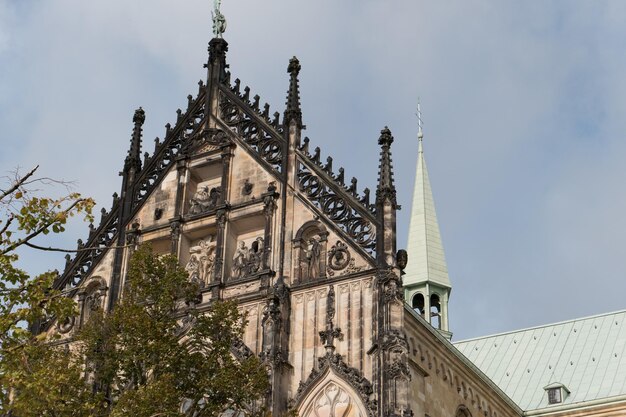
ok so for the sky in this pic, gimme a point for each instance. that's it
(523, 105)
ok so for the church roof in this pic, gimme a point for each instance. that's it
(427, 261)
(585, 355)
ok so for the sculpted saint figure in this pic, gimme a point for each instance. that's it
(312, 254)
(239, 260)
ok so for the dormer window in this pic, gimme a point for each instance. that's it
(556, 392)
(554, 396)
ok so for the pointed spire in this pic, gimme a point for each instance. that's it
(292, 109)
(427, 262)
(386, 190)
(133, 159)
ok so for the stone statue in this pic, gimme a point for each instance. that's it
(256, 255)
(219, 21)
(204, 200)
(247, 261)
(239, 260)
(312, 255)
(201, 261)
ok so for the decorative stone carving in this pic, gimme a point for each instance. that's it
(402, 259)
(247, 261)
(310, 251)
(331, 332)
(201, 261)
(93, 302)
(204, 200)
(352, 376)
(338, 256)
(241, 289)
(310, 259)
(247, 187)
(66, 325)
(391, 286)
(240, 350)
(333, 401)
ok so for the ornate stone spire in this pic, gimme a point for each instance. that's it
(133, 159)
(292, 109)
(386, 190)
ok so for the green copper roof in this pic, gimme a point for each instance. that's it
(586, 355)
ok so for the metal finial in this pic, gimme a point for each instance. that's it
(420, 133)
(219, 21)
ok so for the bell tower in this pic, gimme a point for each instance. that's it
(426, 283)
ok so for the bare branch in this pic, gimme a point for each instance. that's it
(18, 183)
(51, 249)
(6, 226)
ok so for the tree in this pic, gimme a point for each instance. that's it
(156, 351)
(152, 353)
(29, 361)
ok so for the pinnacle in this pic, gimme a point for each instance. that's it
(292, 110)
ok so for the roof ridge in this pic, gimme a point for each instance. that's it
(559, 323)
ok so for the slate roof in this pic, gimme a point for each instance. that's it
(586, 355)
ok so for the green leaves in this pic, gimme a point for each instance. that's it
(36, 377)
(150, 361)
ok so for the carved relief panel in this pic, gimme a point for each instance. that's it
(246, 248)
(201, 261)
(204, 190)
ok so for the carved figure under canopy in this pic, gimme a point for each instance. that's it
(204, 200)
(312, 252)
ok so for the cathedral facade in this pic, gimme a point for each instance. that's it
(254, 214)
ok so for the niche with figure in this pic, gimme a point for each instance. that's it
(204, 191)
(246, 248)
(198, 254)
(92, 298)
(310, 252)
